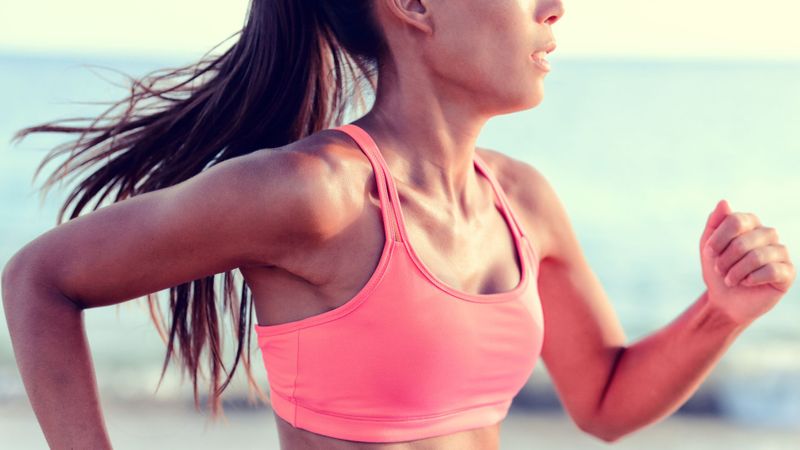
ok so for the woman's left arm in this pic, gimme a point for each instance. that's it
(746, 271)
(611, 388)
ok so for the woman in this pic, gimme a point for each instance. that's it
(390, 311)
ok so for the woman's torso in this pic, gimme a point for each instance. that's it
(323, 276)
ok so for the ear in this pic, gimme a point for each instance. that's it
(415, 13)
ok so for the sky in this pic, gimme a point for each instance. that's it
(721, 29)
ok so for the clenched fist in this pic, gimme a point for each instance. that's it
(745, 267)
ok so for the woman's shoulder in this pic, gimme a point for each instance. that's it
(326, 167)
(528, 191)
(517, 178)
(324, 151)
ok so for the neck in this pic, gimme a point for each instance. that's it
(427, 139)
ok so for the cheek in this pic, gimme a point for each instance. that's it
(485, 49)
(482, 57)
(467, 39)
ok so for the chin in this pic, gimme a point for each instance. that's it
(528, 96)
(534, 99)
(526, 100)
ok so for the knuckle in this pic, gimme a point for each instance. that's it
(759, 257)
(739, 222)
(738, 245)
(772, 270)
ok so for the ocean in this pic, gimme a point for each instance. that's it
(639, 152)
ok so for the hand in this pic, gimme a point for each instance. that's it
(744, 266)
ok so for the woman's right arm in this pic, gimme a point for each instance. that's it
(244, 211)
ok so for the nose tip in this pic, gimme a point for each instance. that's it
(558, 14)
(554, 12)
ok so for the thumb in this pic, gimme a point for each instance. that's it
(714, 219)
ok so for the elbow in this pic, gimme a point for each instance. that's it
(29, 296)
(600, 422)
(603, 431)
(607, 437)
(20, 271)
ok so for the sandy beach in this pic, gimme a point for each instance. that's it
(171, 425)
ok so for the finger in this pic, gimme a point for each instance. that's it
(733, 225)
(780, 274)
(713, 221)
(747, 241)
(754, 260)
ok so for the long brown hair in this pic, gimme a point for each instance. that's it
(292, 72)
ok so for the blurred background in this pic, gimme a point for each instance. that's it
(653, 112)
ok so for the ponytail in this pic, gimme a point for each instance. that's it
(290, 74)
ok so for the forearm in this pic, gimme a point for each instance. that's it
(52, 353)
(656, 375)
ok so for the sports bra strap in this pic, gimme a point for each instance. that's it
(498, 189)
(388, 206)
(369, 148)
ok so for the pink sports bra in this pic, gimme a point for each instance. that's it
(408, 357)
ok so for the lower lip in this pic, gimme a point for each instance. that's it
(542, 64)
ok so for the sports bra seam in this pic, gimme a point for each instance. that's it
(297, 404)
(296, 374)
(497, 297)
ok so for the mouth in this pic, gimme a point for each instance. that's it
(540, 61)
(538, 56)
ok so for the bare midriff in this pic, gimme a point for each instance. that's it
(485, 438)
